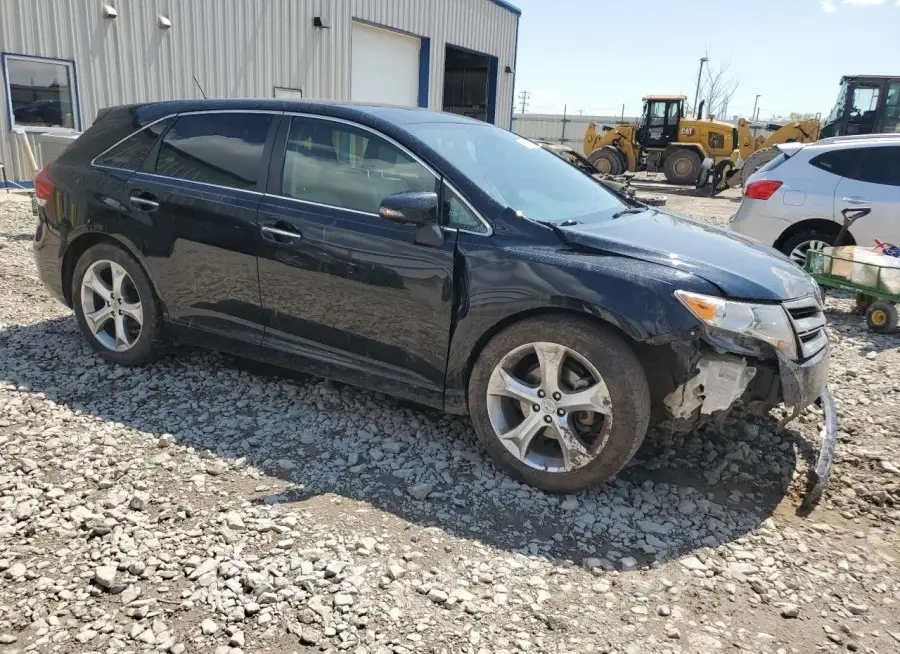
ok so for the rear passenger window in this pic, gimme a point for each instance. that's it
(840, 162)
(347, 167)
(225, 149)
(130, 153)
(880, 165)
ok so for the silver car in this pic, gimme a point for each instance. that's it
(794, 202)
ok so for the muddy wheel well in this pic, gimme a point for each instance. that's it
(818, 224)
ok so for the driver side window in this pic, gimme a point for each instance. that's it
(342, 166)
(657, 114)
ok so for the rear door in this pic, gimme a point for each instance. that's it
(200, 188)
(873, 182)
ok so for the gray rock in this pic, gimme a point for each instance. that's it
(790, 611)
(420, 491)
(139, 501)
(7, 639)
(437, 596)
(105, 576)
(208, 627)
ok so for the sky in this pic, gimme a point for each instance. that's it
(596, 55)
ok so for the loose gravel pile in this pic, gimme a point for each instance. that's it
(204, 505)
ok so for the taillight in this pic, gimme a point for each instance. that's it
(761, 190)
(43, 186)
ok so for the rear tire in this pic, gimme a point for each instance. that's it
(115, 306)
(613, 378)
(756, 161)
(796, 246)
(607, 161)
(682, 166)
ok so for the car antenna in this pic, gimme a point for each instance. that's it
(198, 86)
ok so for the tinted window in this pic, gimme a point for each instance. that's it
(880, 165)
(130, 153)
(459, 215)
(342, 166)
(224, 149)
(772, 165)
(840, 162)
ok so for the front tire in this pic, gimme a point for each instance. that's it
(559, 403)
(682, 166)
(607, 161)
(881, 317)
(115, 306)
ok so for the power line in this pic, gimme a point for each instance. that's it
(524, 96)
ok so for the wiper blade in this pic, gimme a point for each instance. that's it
(568, 223)
(625, 212)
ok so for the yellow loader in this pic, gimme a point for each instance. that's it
(687, 150)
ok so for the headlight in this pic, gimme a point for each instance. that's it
(762, 322)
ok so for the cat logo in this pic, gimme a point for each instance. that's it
(687, 131)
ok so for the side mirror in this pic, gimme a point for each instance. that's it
(415, 208)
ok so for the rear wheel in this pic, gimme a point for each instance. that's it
(882, 317)
(799, 244)
(607, 161)
(115, 306)
(559, 403)
(756, 161)
(682, 166)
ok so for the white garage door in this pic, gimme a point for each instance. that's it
(384, 67)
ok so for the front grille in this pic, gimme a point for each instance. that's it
(808, 321)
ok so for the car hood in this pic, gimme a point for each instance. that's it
(741, 267)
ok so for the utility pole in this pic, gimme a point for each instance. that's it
(755, 103)
(523, 100)
(703, 60)
(757, 114)
(622, 120)
(562, 137)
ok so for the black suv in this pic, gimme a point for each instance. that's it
(428, 256)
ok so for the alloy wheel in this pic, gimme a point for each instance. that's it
(549, 407)
(111, 305)
(798, 254)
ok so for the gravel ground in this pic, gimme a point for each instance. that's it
(204, 505)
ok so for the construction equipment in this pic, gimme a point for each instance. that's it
(686, 150)
(866, 104)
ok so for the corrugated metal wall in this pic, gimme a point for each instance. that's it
(556, 128)
(236, 48)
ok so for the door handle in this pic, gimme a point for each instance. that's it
(143, 203)
(854, 200)
(280, 232)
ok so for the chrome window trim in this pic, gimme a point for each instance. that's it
(321, 204)
(194, 181)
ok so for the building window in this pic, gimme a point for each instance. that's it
(285, 93)
(41, 92)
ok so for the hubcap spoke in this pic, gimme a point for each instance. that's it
(133, 311)
(550, 358)
(97, 285)
(98, 319)
(575, 454)
(522, 435)
(118, 278)
(122, 340)
(594, 398)
(503, 383)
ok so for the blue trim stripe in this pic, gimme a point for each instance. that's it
(424, 70)
(22, 183)
(493, 67)
(508, 7)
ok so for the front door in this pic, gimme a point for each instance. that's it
(873, 181)
(347, 293)
(200, 190)
(660, 124)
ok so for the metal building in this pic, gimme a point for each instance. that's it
(63, 60)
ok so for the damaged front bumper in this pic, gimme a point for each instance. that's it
(719, 380)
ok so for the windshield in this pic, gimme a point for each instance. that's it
(518, 173)
(838, 111)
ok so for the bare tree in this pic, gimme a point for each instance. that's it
(719, 87)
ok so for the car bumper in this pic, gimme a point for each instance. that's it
(48, 258)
